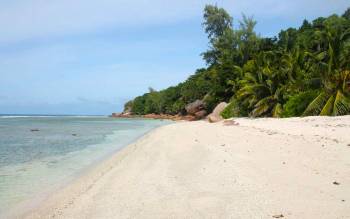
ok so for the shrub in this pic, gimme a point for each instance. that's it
(296, 104)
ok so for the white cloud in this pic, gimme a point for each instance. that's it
(28, 19)
(286, 8)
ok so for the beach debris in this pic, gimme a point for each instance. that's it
(343, 200)
(74, 134)
(230, 123)
(34, 130)
(336, 183)
(348, 145)
(278, 216)
(223, 145)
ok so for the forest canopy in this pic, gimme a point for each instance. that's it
(301, 72)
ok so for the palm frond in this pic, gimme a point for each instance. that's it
(277, 110)
(345, 36)
(341, 104)
(328, 107)
(262, 106)
(320, 56)
(346, 79)
(316, 106)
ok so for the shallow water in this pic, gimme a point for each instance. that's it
(39, 153)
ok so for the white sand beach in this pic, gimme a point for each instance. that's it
(258, 168)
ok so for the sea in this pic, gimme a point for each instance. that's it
(41, 153)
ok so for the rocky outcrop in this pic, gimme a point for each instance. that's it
(200, 114)
(196, 109)
(155, 116)
(122, 115)
(215, 115)
(115, 114)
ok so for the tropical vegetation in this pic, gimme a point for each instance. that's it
(301, 72)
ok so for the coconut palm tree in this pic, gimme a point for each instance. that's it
(261, 87)
(333, 65)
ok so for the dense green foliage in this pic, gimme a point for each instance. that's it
(231, 110)
(297, 103)
(304, 71)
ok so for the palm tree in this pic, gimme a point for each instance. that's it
(261, 90)
(333, 65)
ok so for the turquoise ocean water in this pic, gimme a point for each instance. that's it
(39, 153)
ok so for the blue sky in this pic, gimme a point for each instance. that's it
(89, 57)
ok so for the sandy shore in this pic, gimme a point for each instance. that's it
(262, 168)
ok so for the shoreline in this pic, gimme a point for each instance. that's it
(33, 202)
(80, 182)
(296, 167)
